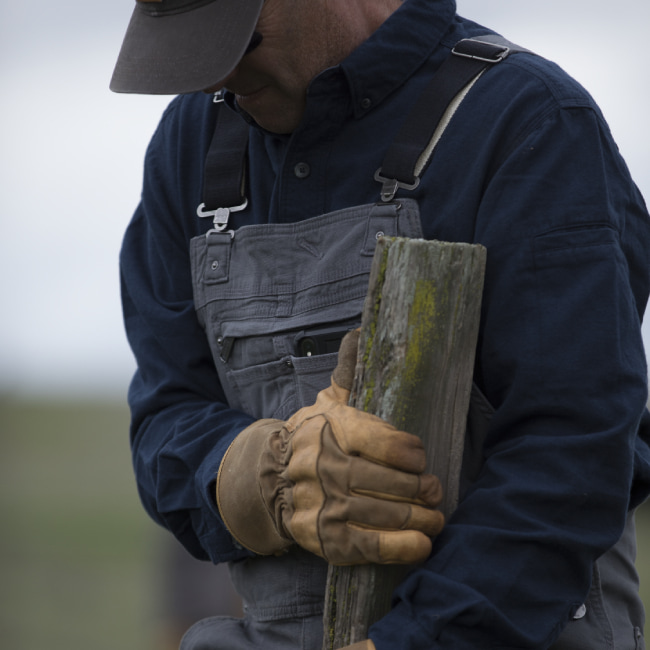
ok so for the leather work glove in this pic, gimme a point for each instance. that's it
(342, 483)
(361, 645)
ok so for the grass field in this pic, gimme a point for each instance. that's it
(81, 564)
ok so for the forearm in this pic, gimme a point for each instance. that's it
(176, 455)
(180, 422)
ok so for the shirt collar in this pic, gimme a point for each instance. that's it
(388, 58)
(396, 50)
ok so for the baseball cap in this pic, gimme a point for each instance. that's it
(180, 46)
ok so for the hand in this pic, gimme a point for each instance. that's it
(341, 483)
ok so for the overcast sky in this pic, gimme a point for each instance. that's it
(71, 156)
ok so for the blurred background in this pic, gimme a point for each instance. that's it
(80, 563)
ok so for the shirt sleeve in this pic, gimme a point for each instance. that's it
(181, 425)
(560, 357)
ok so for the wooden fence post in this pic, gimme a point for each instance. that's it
(414, 369)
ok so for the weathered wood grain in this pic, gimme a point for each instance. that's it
(414, 369)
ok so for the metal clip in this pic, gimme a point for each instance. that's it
(220, 216)
(498, 56)
(389, 186)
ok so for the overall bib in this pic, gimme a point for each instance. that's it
(275, 300)
(266, 295)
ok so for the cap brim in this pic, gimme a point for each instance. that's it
(184, 52)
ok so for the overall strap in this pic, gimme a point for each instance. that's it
(412, 148)
(224, 174)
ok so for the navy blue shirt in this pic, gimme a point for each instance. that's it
(528, 168)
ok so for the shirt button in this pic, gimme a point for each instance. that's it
(302, 170)
(366, 103)
(580, 612)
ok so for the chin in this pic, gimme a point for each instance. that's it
(276, 120)
(279, 118)
(280, 129)
(281, 126)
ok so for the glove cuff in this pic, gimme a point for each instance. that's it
(239, 498)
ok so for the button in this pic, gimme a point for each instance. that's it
(366, 103)
(580, 612)
(302, 170)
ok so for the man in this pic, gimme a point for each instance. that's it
(539, 553)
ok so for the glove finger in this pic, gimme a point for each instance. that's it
(368, 436)
(390, 484)
(343, 374)
(362, 546)
(403, 547)
(367, 644)
(376, 514)
(313, 508)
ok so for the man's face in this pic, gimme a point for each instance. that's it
(301, 38)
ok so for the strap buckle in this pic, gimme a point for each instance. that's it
(389, 186)
(487, 52)
(220, 216)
